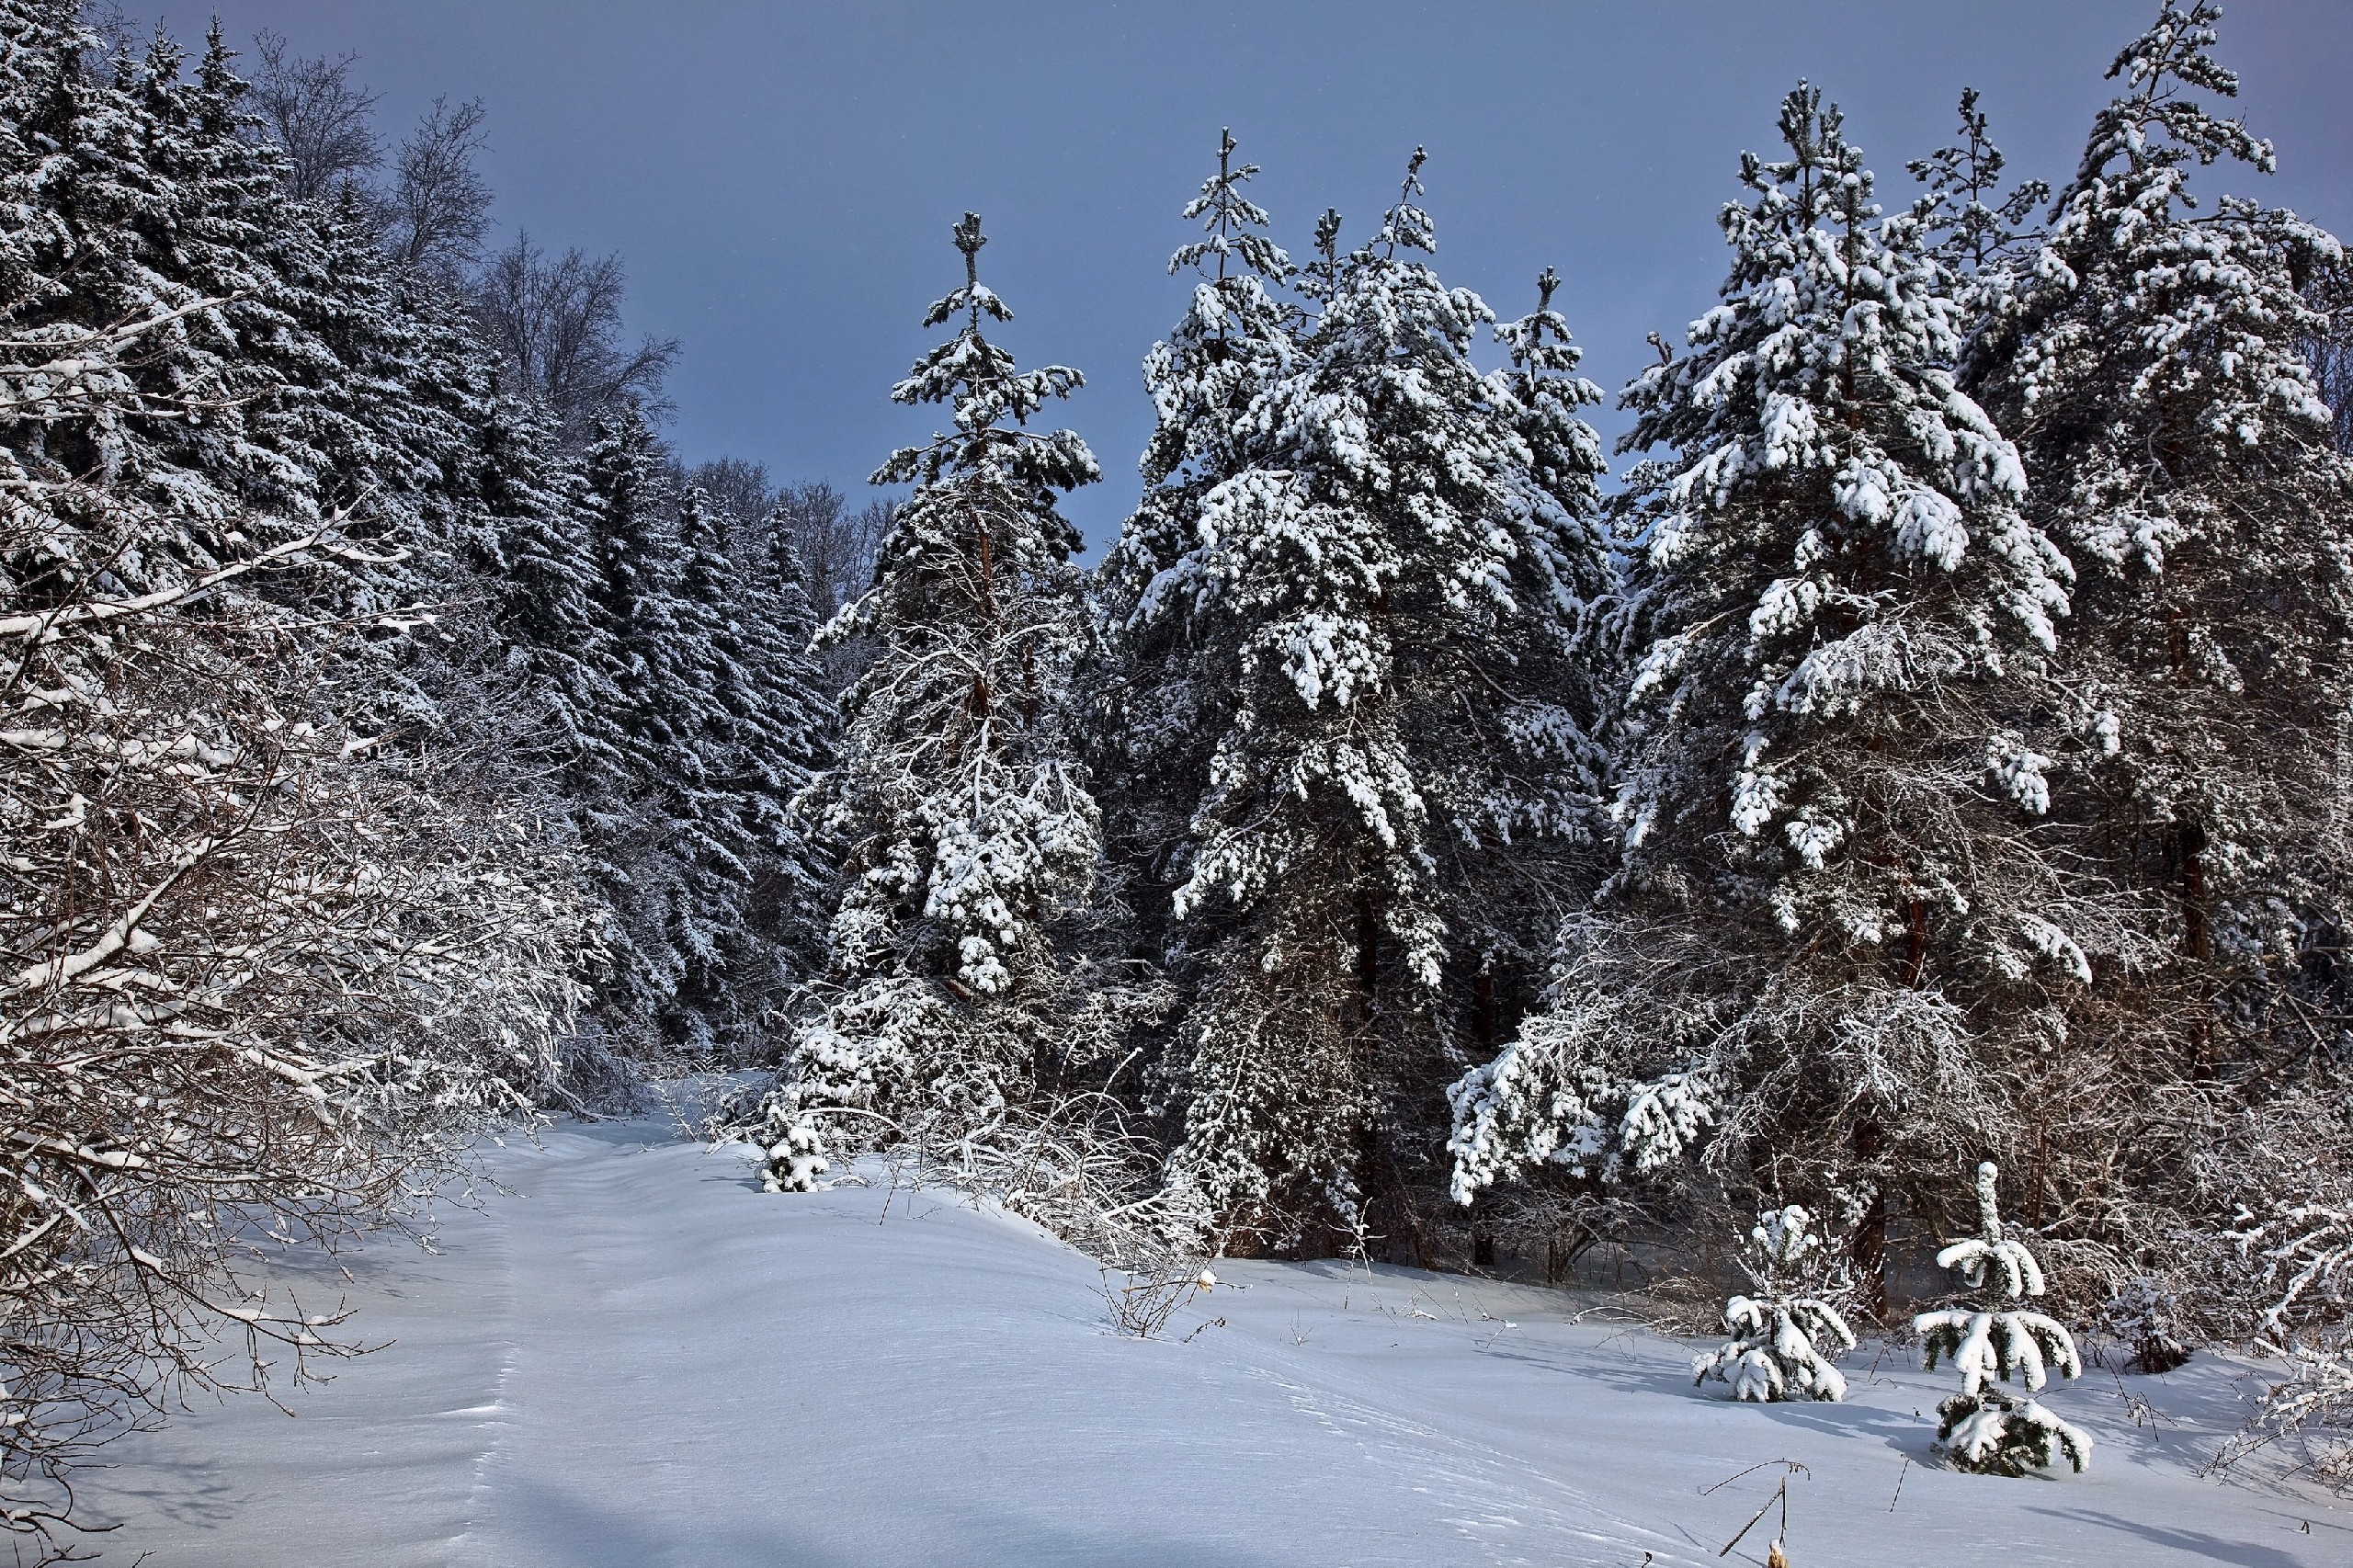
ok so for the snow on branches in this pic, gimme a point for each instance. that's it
(265, 970)
(1833, 911)
(1984, 1427)
(2148, 356)
(1774, 1353)
(960, 806)
(1369, 566)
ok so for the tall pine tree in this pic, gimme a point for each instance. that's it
(960, 806)
(2150, 362)
(1158, 713)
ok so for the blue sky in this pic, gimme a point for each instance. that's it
(780, 177)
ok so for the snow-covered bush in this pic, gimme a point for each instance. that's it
(1773, 1354)
(2271, 1264)
(1984, 1427)
(2309, 1412)
(1079, 1165)
(2147, 1317)
(2291, 1231)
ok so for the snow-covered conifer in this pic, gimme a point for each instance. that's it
(660, 838)
(2148, 360)
(746, 626)
(1773, 1354)
(1157, 712)
(1830, 914)
(786, 725)
(1379, 596)
(1975, 227)
(959, 806)
(1985, 1427)
(535, 545)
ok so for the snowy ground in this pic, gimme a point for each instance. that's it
(638, 1358)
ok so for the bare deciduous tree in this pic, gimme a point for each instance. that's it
(558, 327)
(2331, 354)
(317, 114)
(438, 207)
(738, 487)
(838, 543)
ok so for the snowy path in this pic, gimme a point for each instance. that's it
(640, 1360)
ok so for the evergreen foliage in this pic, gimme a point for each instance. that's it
(1984, 1427)
(2149, 360)
(1939, 748)
(719, 724)
(960, 806)
(1975, 227)
(1773, 1353)
(1832, 922)
(1156, 716)
(1375, 559)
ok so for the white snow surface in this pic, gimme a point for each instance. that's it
(636, 1357)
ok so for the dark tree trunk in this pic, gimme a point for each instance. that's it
(2189, 849)
(1389, 1182)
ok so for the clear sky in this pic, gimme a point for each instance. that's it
(781, 176)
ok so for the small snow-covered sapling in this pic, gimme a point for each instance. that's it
(1773, 1353)
(1984, 1427)
(795, 1159)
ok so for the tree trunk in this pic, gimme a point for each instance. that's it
(1391, 1184)
(2189, 848)
(983, 700)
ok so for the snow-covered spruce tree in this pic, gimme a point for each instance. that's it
(1554, 679)
(1156, 710)
(1772, 1353)
(789, 736)
(682, 844)
(330, 379)
(1833, 928)
(644, 872)
(758, 918)
(2149, 362)
(532, 541)
(1386, 554)
(1985, 1427)
(959, 805)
